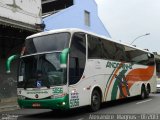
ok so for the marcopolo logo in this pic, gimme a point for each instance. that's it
(124, 66)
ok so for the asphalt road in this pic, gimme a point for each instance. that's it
(126, 109)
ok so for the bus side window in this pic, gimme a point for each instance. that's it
(94, 47)
(74, 70)
(120, 54)
(151, 59)
(107, 49)
(77, 57)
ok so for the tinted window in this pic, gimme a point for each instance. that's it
(77, 57)
(120, 54)
(47, 43)
(43, 69)
(108, 49)
(99, 48)
(94, 47)
(113, 51)
(139, 57)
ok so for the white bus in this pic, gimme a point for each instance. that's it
(157, 61)
(69, 68)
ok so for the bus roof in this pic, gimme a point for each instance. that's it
(72, 30)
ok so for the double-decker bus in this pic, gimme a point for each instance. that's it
(69, 68)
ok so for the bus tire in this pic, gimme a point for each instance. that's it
(143, 93)
(147, 91)
(95, 101)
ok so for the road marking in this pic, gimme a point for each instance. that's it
(143, 101)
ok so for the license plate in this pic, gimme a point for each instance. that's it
(36, 105)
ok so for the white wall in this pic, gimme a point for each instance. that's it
(26, 11)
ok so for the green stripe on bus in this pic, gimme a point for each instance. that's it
(108, 82)
(114, 90)
(118, 80)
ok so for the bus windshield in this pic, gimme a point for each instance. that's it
(42, 70)
(46, 43)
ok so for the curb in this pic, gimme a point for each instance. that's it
(8, 100)
(8, 104)
(6, 108)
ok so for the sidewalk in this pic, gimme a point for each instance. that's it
(8, 104)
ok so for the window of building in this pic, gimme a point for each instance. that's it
(87, 18)
(54, 6)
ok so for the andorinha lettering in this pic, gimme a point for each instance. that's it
(124, 66)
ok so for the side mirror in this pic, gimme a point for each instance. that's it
(8, 62)
(64, 57)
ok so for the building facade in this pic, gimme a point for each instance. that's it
(18, 19)
(81, 14)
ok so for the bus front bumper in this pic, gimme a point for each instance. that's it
(56, 103)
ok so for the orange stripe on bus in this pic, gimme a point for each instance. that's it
(139, 74)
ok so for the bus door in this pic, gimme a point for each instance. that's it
(77, 61)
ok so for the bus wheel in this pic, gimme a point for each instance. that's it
(95, 101)
(147, 91)
(143, 93)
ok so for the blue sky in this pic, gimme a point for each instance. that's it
(128, 19)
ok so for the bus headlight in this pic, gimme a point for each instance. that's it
(63, 103)
(21, 97)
